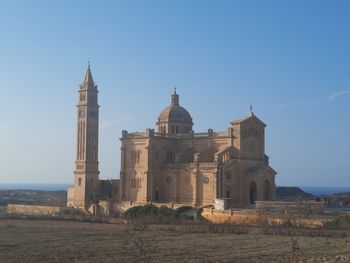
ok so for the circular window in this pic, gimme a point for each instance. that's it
(168, 179)
(206, 180)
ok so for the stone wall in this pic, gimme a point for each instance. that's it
(249, 217)
(290, 206)
(33, 210)
(70, 196)
(255, 217)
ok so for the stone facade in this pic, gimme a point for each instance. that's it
(178, 165)
(173, 164)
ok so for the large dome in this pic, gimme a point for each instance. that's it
(175, 113)
(174, 119)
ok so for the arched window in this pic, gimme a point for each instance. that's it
(267, 195)
(79, 181)
(169, 156)
(228, 175)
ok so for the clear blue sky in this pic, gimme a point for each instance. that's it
(290, 59)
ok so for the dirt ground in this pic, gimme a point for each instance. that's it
(67, 241)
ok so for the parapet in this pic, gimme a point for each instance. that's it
(150, 133)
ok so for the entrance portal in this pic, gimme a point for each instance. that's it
(266, 190)
(156, 196)
(252, 192)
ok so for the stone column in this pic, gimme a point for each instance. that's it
(194, 182)
(122, 187)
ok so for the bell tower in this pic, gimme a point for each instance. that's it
(86, 166)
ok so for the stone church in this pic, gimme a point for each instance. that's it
(173, 164)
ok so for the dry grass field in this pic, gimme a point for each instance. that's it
(68, 241)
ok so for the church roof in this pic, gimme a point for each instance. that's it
(250, 116)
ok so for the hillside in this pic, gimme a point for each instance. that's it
(28, 197)
(291, 193)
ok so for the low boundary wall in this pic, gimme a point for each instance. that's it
(256, 217)
(36, 210)
(290, 206)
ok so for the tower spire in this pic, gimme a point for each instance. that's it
(88, 76)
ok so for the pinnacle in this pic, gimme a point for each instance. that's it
(88, 77)
(175, 98)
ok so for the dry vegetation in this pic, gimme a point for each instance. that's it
(68, 241)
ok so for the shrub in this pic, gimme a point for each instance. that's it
(342, 222)
(181, 210)
(165, 211)
(151, 214)
(149, 209)
(141, 211)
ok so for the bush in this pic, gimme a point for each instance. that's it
(342, 222)
(151, 214)
(149, 209)
(181, 210)
(165, 211)
(140, 211)
(72, 211)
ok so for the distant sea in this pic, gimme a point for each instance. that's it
(325, 190)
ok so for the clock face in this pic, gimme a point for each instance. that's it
(81, 113)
